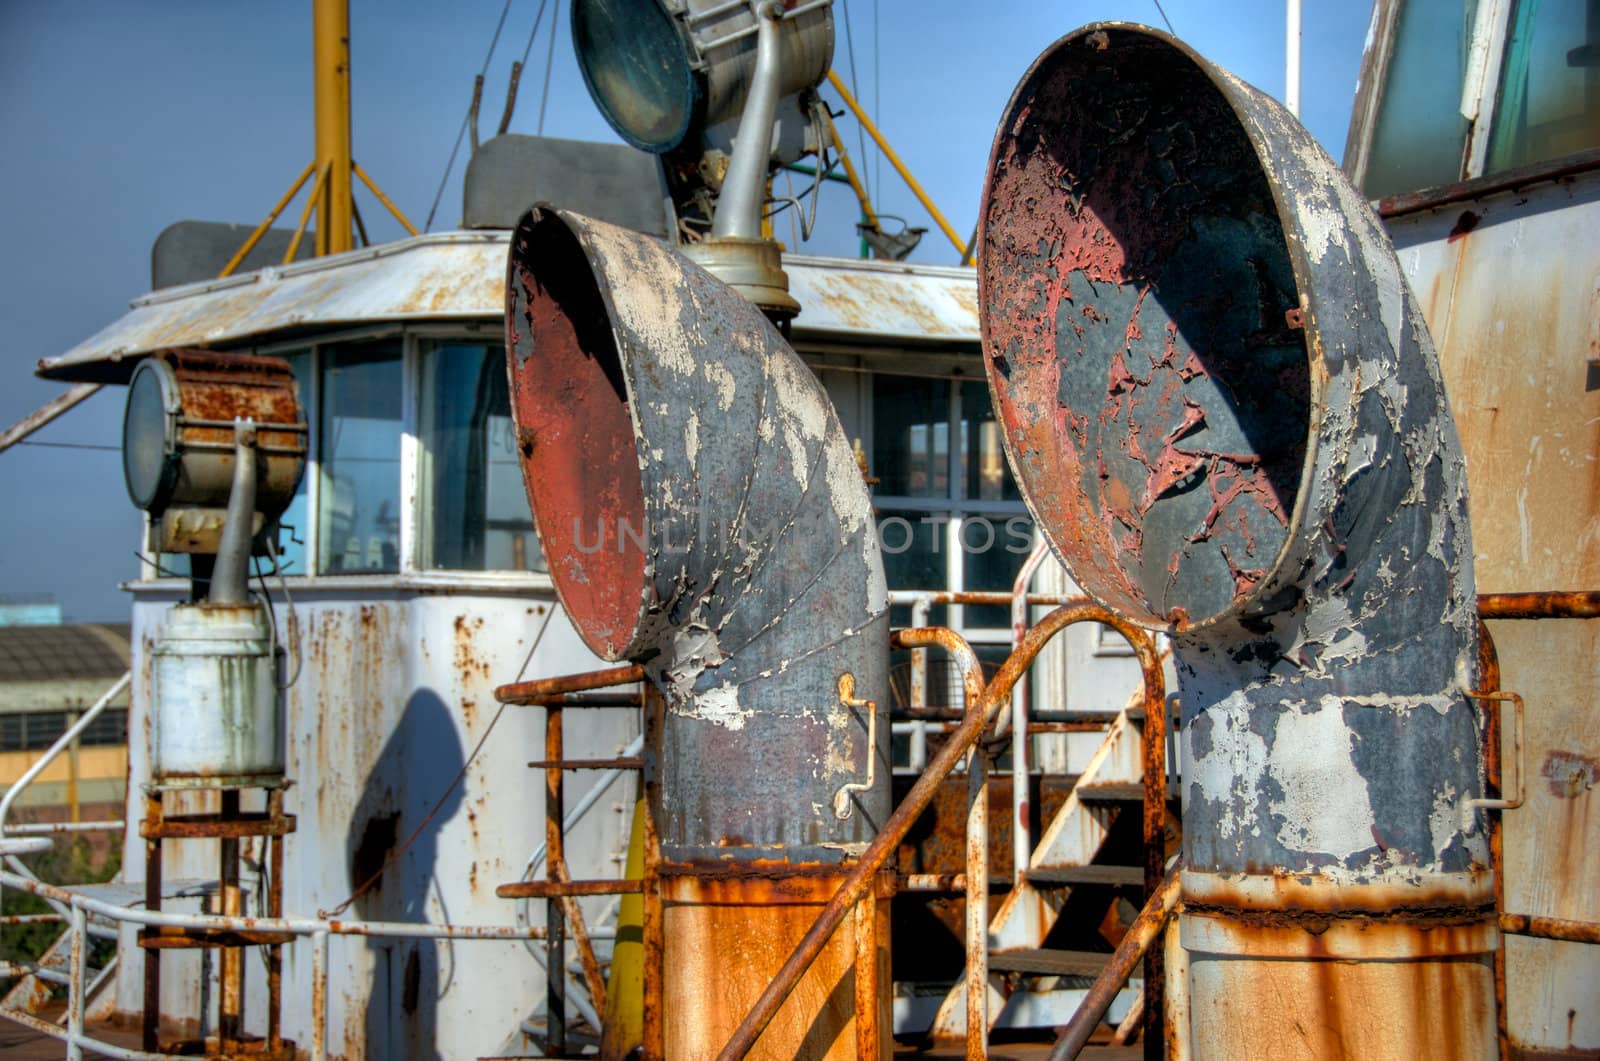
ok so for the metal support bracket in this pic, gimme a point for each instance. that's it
(842, 807)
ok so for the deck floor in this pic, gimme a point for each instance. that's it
(24, 1044)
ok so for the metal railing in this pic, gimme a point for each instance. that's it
(75, 910)
(80, 907)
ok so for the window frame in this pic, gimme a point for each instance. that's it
(1480, 94)
(957, 367)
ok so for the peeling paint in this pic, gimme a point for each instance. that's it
(759, 577)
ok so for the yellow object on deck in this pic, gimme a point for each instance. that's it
(624, 1016)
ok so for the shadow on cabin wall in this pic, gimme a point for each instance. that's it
(419, 761)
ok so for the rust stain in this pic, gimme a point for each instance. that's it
(1464, 224)
(1569, 775)
(747, 928)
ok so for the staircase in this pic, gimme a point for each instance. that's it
(1067, 857)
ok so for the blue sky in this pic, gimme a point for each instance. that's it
(122, 117)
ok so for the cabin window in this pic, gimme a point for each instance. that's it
(950, 515)
(1549, 102)
(359, 432)
(475, 510)
(1420, 137)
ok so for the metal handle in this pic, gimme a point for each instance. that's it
(1468, 806)
(842, 808)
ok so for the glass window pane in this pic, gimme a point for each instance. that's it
(475, 509)
(44, 728)
(1420, 136)
(295, 521)
(109, 727)
(11, 733)
(1549, 104)
(914, 557)
(993, 549)
(984, 471)
(360, 425)
(911, 436)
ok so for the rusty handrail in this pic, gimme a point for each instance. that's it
(1146, 930)
(546, 691)
(1550, 928)
(1554, 604)
(980, 711)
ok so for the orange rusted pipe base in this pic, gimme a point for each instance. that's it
(728, 929)
(1301, 984)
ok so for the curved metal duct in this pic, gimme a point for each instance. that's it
(1227, 415)
(703, 516)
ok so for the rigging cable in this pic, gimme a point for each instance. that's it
(450, 164)
(520, 65)
(855, 86)
(877, 90)
(1165, 19)
(549, 65)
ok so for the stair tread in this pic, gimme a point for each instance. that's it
(1116, 792)
(1092, 874)
(1049, 962)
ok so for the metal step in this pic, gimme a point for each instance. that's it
(1095, 874)
(1049, 962)
(551, 889)
(1117, 792)
(626, 763)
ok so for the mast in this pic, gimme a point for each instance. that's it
(330, 21)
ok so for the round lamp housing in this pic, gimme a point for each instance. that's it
(663, 71)
(179, 441)
(638, 66)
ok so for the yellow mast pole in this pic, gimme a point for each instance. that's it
(330, 20)
(894, 160)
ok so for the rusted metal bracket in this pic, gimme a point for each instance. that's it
(842, 806)
(1468, 806)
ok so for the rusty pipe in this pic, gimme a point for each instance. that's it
(983, 703)
(1489, 680)
(1146, 930)
(1225, 412)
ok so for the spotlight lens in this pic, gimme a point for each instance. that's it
(146, 464)
(635, 63)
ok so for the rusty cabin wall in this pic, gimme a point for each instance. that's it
(1510, 287)
(395, 692)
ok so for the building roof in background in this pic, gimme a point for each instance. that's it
(49, 653)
